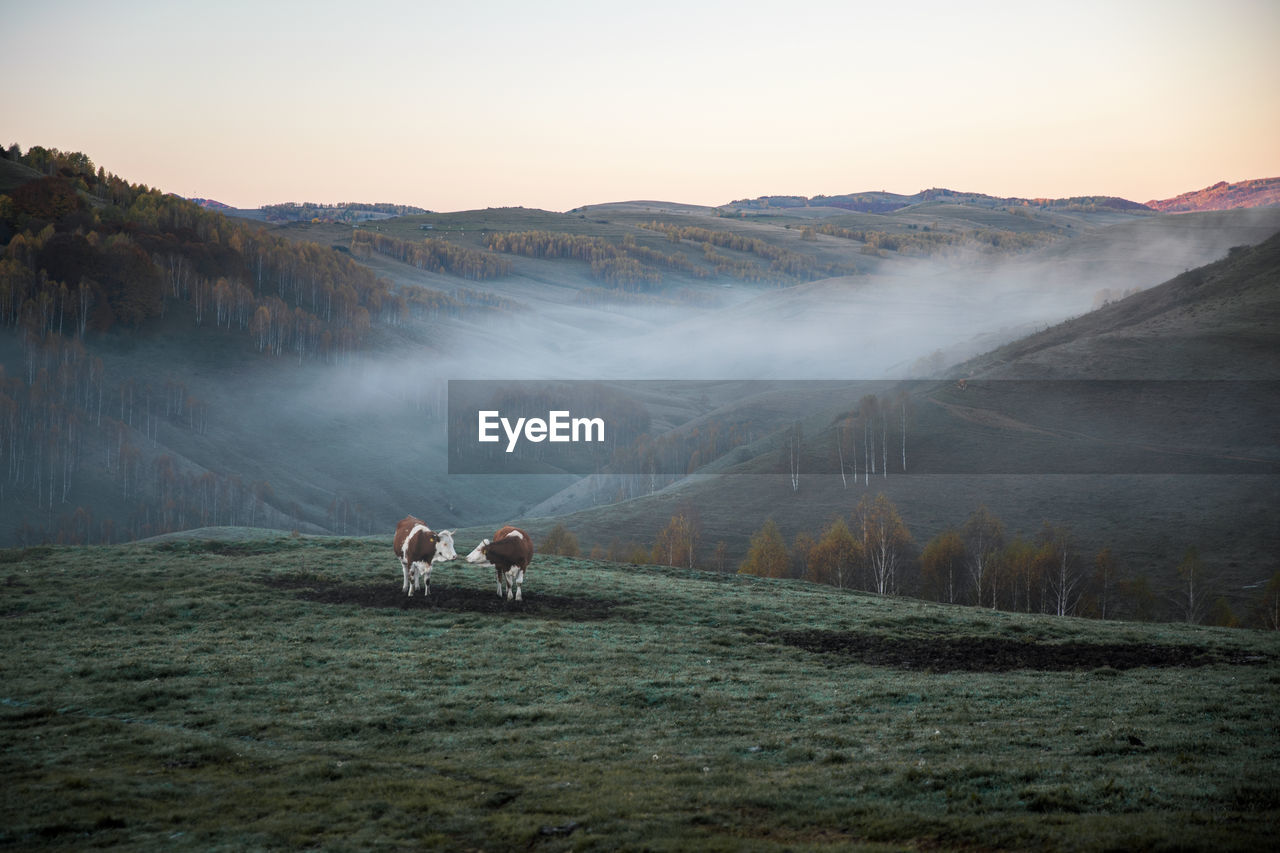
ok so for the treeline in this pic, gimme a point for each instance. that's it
(91, 252)
(627, 266)
(432, 254)
(978, 563)
(170, 500)
(925, 241)
(67, 429)
(340, 212)
(631, 267)
(83, 251)
(783, 264)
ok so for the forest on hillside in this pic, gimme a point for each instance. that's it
(85, 253)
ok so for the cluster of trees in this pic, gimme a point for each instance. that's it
(980, 564)
(869, 441)
(783, 264)
(83, 251)
(346, 211)
(926, 241)
(871, 550)
(168, 500)
(631, 267)
(65, 424)
(559, 540)
(431, 254)
(91, 251)
(977, 564)
(627, 266)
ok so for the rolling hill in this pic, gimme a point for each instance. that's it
(886, 202)
(1260, 192)
(1035, 457)
(294, 375)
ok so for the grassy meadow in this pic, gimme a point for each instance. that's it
(269, 693)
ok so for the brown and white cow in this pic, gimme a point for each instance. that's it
(418, 547)
(509, 552)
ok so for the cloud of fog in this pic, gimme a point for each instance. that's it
(864, 327)
(876, 326)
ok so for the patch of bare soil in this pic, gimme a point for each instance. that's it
(994, 654)
(443, 597)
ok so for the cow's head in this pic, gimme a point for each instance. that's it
(444, 546)
(478, 555)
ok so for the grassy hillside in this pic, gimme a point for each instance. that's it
(279, 693)
(1260, 192)
(1212, 323)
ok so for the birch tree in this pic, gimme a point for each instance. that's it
(794, 447)
(1192, 595)
(1065, 580)
(983, 538)
(884, 541)
(867, 410)
(903, 400)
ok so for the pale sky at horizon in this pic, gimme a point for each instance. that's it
(453, 106)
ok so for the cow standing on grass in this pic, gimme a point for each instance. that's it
(418, 547)
(509, 553)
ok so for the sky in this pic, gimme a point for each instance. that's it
(553, 105)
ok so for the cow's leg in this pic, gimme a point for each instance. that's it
(424, 575)
(404, 567)
(499, 574)
(519, 582)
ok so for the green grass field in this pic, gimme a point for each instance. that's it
(279, 693)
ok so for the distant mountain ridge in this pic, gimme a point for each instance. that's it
(211, 204)
(310, 211)
(1259, 192)
(887, 202)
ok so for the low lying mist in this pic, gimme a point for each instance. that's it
(910, 321)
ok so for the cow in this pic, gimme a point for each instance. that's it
(418, 547)
(509, 552)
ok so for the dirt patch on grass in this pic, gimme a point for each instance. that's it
(993, 654)
(443, 597)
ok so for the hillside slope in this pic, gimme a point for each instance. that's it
(1220, 321)
(1213, 323)
(169, 367)
(1260, 192)
(282, 694)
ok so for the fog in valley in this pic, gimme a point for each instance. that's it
(882, 325)
(351, 445)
